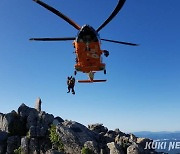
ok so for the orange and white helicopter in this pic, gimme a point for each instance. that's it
(86, 43)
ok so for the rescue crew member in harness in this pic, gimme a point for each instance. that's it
(71, 83)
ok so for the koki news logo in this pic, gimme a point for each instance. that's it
(163, 145)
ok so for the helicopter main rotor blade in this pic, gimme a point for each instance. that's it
(113, 14)
(61, 15)
(120, 42)
(52, 39)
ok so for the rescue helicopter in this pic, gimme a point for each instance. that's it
(87, 43)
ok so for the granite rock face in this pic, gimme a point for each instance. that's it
(32, 131)
(12, 123)
(75, 136)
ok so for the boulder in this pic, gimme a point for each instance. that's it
(119, 133)
(38, 131)
(24, 111)
(114, 148)
(57, 120)
(45, 119)
(74, 136)
(13, 143)
(12, 123)
(110, 136)
(3, 141)
(1, 121)
(25, 145)
(34, 146)
(141, 142)
(32, 119)
(38, 123)
(122, 140)
(32, 132)
(132, 138)
(98, 128)
(3, 136)
(93, 146)
(44, 144)
(133, 149)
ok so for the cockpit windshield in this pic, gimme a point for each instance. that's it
(87, 34)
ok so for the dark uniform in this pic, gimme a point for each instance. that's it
(71, 83)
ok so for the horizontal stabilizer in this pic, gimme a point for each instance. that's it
(91, 81)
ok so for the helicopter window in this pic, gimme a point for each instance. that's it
(87, 36)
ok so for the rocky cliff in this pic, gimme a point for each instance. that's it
(32, 131)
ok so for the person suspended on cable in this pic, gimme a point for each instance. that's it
(71, 83)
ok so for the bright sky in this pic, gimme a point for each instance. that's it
(143, 88)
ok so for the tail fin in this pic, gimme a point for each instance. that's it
(89, 81)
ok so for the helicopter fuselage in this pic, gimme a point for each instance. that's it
(88, 51)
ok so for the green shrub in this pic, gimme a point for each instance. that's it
(86, 151)
(55, 139)
(17, 151)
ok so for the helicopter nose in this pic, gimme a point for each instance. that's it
(86, 29)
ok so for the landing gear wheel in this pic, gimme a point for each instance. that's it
(104, 71)
(75, 72)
